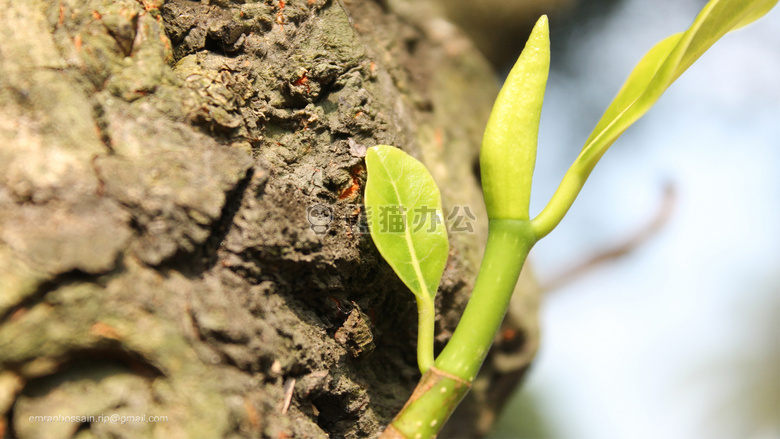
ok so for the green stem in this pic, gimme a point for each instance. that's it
(509, 242)
(564, 197)
(425, 330)
(447, 382)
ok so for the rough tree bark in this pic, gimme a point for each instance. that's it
(159, 161)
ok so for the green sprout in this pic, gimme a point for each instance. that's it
(398, 182)
(416, 252)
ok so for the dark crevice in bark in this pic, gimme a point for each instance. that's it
(44, 288)
(208, 252)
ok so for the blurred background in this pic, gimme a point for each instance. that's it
(680, 337)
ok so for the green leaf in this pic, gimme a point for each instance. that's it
(654, 73)
(404, 213)
(508, 154)
(405, 218)
(662, 65)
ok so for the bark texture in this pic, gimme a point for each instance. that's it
(180, 215)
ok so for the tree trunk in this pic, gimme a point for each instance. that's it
(182, 252)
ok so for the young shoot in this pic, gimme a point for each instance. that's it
(399, 183)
